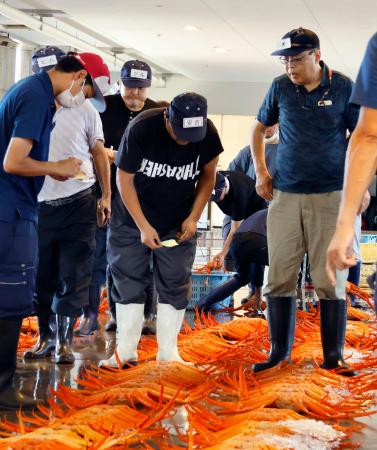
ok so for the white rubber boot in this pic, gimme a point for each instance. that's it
(169, 322)
(129, 325)
(180, 318)
(179, 423)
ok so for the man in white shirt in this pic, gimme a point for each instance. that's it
(68, 218)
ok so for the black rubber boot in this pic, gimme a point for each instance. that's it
(10, 396)
(333, 315)
(63, 352)
(112, 323)
(281, 318)
(46, 343)
(89, 319)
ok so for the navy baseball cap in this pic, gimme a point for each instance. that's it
(297, 41)
(136, 74)
(219, 186)
(188, 116)
(46, 58)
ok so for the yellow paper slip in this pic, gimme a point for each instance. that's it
(80, 176)
(169, 243)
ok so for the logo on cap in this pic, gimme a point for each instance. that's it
(285, 43)
(193, 122)
(47, 61)
(136, 73)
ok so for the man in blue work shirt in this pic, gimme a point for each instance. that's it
(243, 162)
(311, 103)
(361, 163)
(26, 113)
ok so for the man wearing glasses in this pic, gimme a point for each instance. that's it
(311, 103)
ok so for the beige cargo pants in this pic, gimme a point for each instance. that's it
(297, 223)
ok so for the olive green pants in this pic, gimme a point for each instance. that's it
(299, 223)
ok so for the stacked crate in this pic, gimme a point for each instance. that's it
(368, 248)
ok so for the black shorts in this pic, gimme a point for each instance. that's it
(129, 261)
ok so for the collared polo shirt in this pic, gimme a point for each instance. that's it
(312, 131)
(75, 134)
(26, 111)
(243, 162)
(365, 89)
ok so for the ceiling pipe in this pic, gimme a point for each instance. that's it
(20, 17)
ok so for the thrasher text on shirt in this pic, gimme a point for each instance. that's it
(153, 169)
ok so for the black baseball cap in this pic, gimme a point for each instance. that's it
(188, 116)
(46, 58)
(219, 186)
(297, 41)
(136, 74)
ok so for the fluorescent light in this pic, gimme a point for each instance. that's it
(220, 49)
(191, 28)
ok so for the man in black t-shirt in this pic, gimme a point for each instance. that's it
(136, 79)
(236, 196)
(166, 173)
(249, 251)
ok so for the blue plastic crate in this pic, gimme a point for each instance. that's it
(368, 238)
(202, 284)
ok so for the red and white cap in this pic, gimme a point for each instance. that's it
(100, 75)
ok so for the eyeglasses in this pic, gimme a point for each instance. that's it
(294, 61)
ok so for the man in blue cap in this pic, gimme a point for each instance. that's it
(236, 196)
(26, 113)
(361, 163)
(46, 58)
(243, 162)
(250, 253)
(311, 103)
(166, 173)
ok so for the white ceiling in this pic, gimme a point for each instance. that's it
(247, 29)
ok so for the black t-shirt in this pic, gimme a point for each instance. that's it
(166, 172)
(115, 120)
(242, 199)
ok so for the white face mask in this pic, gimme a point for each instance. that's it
(272, 138)
(67, 100)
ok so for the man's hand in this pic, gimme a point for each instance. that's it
(263, 185)
(150, 238)
(339, 254)
(104, 208)
(188, 230)
(111, 154)
(219, 260)
(66, 168)
(365, 202)
(59, 178)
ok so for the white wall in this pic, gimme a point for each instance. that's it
(223, 97)
(7, 67)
